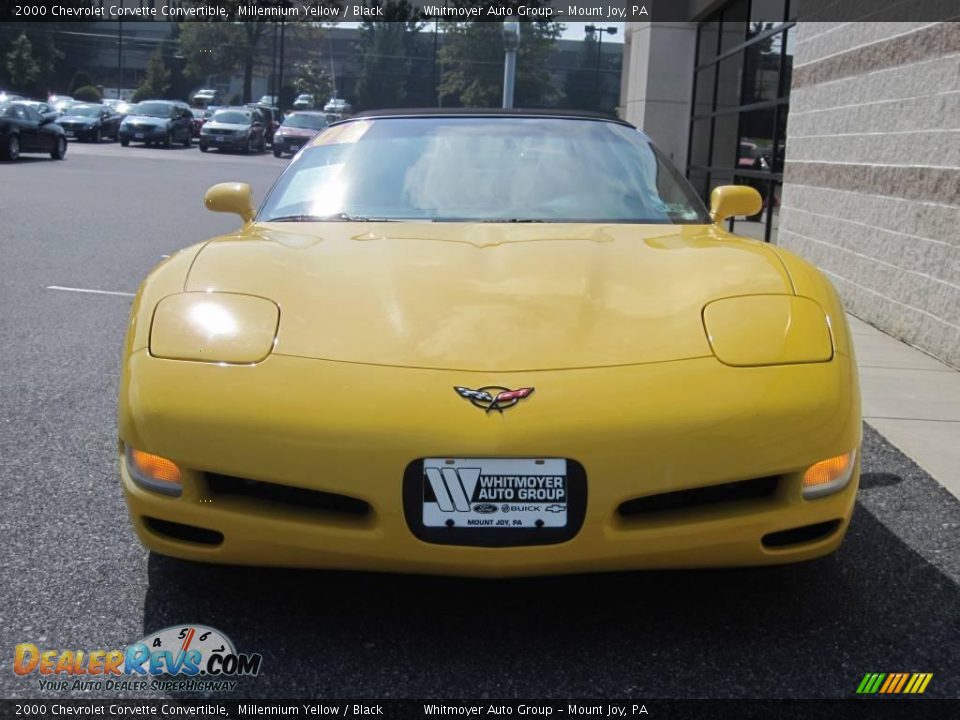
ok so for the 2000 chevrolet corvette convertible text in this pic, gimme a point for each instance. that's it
(493, 344)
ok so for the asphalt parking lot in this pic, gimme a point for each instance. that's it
(73, 576)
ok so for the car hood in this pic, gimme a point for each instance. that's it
(489, 297)
(146, 120)
(77, 119)
(213, 125)
(296, 132)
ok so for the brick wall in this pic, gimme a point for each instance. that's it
(872, 177)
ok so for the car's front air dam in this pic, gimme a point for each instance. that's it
(352, 429)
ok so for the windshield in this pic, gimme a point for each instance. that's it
(235, 117)
(484, 169)
(309, 122)
(85, 111)
(152, 109)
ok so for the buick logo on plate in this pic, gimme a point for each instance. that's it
(494, 397)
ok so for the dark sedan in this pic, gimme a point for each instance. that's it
(163, 122)
(24, 130)
(90, 122)
(239, 128)
(296, 130)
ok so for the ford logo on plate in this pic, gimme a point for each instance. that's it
(485, 508)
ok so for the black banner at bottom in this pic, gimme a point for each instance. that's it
(527, 709)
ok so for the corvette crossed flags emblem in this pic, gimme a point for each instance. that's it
(494, 397)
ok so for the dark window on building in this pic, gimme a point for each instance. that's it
(741, 95)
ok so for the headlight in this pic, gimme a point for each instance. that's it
(754, 330)
(214, 327)
(829, 476)
(154, 472)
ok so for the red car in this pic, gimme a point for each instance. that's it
(296, 130)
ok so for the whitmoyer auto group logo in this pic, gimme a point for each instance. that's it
(181, 657)
(494, 492)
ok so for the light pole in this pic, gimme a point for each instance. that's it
(119, 58)
(611, 30)
(511, 41)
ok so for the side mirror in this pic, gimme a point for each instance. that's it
(233, 197)
(728, 201)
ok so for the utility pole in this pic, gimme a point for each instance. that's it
(119, 57)
(590, 29)
(283, 28)
(511, 41)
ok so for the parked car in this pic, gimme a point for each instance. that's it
(197, 121)
(24, 130)
(304, 102)
(45, 109)
(90, 122)
(7, 96)
(206, 96)
(271, 117)
(268, 100)
(61, 102)
(121, 107)
(163, 122)
(234, 128)
(296, 130)
(338, 106)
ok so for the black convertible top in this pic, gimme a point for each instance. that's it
(485, 112)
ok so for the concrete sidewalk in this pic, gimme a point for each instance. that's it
(911, 399)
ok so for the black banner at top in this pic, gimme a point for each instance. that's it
(455, 10)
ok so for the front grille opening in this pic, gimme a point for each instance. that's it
(187, 533)
(800, 535)
(701, 497)
(287, 495)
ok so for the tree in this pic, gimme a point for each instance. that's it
(87, 93)
(472, 59)
(388, 50)
(311, 77)
(81, 78)
(156, 83)
(22, 69)
(581, 83)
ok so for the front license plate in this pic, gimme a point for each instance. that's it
(138, 136)
(494, 493)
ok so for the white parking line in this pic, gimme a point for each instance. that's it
(88, 290)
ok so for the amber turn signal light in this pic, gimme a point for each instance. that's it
(154, 472)
(829, 476)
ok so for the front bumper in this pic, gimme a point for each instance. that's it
(230, 142)
(79, 133)
(290, 145)
(352, 429)
(147, 134)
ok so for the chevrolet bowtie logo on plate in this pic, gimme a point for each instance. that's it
(494, 397)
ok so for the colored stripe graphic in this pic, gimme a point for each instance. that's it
(894, 683)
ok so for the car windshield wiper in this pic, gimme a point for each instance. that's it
(512, 220)
(335, 217)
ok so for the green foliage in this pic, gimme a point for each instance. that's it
(222, 48)
(581, 83)
(312, 77)
(22, 69)
(80, 79)
(87, 93)
(389, 50)
(472, 62)
(156, 83)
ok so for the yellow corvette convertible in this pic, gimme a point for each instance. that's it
(492, 344)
